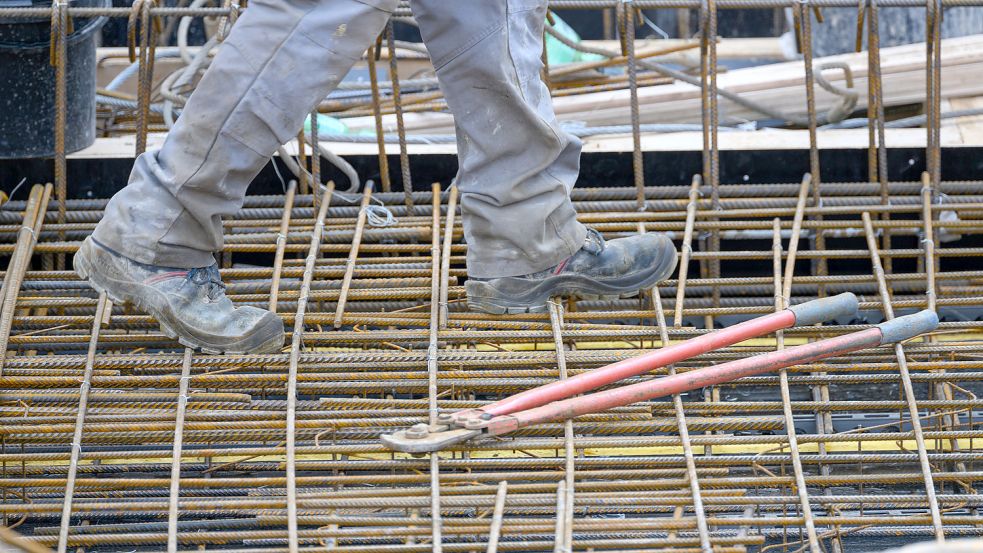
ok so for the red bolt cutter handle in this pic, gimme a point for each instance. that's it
(894, 330)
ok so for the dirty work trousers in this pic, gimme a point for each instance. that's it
(516, 166)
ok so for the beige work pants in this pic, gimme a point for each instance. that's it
(516, 166)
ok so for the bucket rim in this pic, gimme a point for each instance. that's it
(91, 26)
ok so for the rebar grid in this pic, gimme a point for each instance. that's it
(140, 445)
(372, 375)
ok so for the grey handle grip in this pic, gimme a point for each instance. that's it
(909, 326)
(825, 309)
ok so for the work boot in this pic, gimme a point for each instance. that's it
(189, 304)
(599, 269)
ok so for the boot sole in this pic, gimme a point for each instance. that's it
(511, 296)
(118, 292)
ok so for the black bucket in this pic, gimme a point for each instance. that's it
(27, 82)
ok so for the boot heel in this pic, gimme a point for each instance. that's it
(81, 265)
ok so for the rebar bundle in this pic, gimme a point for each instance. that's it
(114, 438)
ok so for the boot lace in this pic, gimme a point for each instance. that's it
(209, 277)
(594, 242)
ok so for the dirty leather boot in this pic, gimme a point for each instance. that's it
(619, 268)
(189, 304)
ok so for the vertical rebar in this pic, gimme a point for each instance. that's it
(564, 540)
(295, 346)
(346, 281)
(445, 257)
(561, 516)
(803, 15)
(943, 390)
(928, 240)
(711, 119)
(432, 367)
(877, 153)
(793, 244)
(66, 512)
(27, 237)
(909, 391)
(686, 251)
(495, 531)
(404, 158)
(182, 407)
(805, 19)
(281, 242)
(302, 159)
(146, 72)
(933, 90)
(820, 393)
(380, 136)
(781, 302)
(702, 528)
(627, 16)
(315, 160)
(59, 52)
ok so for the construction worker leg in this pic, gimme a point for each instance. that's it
(516, 166)
(280, 59)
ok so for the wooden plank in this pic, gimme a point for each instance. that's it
(770, 139)
(970, 128)
(760, 48)
(110, 61)
(118, 147)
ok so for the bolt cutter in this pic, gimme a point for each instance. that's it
(560, 400)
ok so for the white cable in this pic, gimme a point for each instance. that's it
(379, 216)
(182, 32)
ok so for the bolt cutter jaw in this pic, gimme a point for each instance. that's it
(462, 418)
(424, 438)
(450, 429)
(493, 426)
